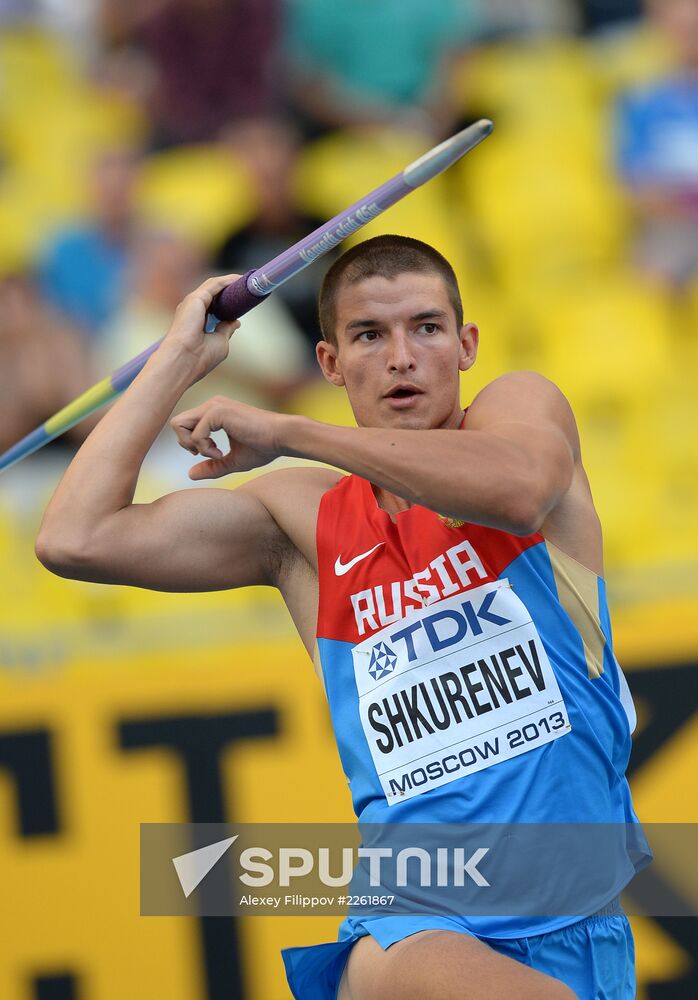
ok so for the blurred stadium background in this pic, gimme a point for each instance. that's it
(127, 170)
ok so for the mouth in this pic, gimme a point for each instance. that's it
(403, 394)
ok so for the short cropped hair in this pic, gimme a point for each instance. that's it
(385, 257)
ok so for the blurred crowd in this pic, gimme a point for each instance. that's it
(145, 145)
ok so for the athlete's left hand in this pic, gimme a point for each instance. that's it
(253, 436)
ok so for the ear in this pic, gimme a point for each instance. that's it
(328, 358)
(469, 340)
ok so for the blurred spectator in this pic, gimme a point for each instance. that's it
(16, 12)
(531, 17)
(212, 60)
(82, 270)
(73, 19)
(43, 364)
(599, 14)
(657, 127)
(70, 19)
(267, 359)
(161, 269)
(270, 150)
(376, 61)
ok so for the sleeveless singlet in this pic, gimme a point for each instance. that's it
(470, 676)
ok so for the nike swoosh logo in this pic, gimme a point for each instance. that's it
(341, 568)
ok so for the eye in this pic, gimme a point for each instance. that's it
(429, 327)
(368, 336)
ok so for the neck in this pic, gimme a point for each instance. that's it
(388, 502)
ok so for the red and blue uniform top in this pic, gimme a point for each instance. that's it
(469, 671)
(471, 679)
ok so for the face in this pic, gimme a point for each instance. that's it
(399, 352)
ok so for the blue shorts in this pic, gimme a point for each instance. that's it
(595, 957)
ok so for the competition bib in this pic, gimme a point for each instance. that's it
(455, 687)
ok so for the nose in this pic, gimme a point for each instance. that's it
(401, 356)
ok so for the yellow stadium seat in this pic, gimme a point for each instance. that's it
(324, 402)
(201, 192)
(674, 441)
(628, 58)
(546, 207)
(34, 64)
(625, 479)
(534, 82)
(676, 529)
(17, 245)
(605, 338)
(50, 149)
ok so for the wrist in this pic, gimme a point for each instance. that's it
(181, 365)
(293, 434)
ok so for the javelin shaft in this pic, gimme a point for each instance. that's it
(82, 406)
(248, 291)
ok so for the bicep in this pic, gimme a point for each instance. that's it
(191, 540)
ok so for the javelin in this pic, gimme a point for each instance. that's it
(249, 290)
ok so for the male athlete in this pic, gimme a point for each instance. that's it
(446, 515)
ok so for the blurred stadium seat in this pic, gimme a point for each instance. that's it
(322, 401)
(536, 82)
(631, 55)
(607, 337)
(53, 121)
(545, 206)
(201, 192)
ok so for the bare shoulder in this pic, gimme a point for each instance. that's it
(519, 394)
(301, 485)
(524, 397)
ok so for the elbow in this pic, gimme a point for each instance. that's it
(526, 514)
(533, 496)
(524, 526)
(59, 557)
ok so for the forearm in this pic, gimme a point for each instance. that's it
(470, 475)
(102, 477)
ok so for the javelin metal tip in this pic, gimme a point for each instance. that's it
(447, 153)
(470, 136)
